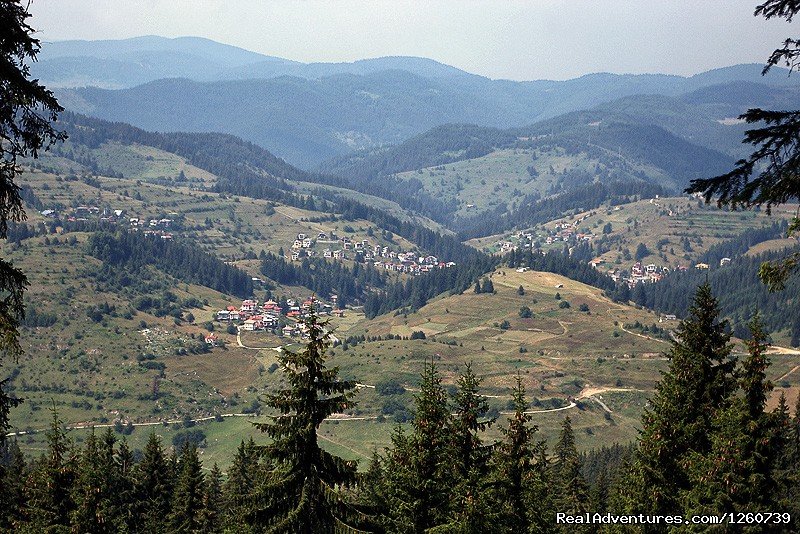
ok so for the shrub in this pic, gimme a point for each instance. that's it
(389, 387)
(189, 436)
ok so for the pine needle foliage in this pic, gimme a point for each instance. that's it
(300, 489)
(698, 383)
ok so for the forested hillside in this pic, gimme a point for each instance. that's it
(741, 293)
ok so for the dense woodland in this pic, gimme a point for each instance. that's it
(707, 447)
(187, 263)
(738, 287)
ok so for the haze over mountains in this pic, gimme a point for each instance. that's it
(309, 113)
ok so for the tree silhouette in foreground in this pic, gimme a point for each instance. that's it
(698, 383)
(26, 111)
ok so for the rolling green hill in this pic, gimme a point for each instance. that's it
(476, 179)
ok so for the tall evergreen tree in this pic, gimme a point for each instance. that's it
(152, 487)
(300, 490)
(470, 508)
(418, 474)
(698, 383)
(371, 498)
(242, 473)
(88, 492)
(212, 513)
(187, 497)
(736, 472)
(567, 482)
(520, 472)
(49, 488)
(125, 488)
(468, 421)
(12, 481)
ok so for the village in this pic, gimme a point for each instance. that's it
(561, 232)
(285, 321)
(161, 227)
(568, 234)
(344, 248)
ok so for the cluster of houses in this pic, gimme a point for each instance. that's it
(566, 232)
(380, 257)
(253, 316)
(84, 213)
(649, 273)
(150, 227)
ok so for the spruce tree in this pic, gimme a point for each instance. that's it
(89, 491)
(211, 515)
(468, 422)
(152, 488)
(567, 482)
(49, 489)
(418, 476)
(519, 472)
(736, 473)
(698, 383)
(242, 473)
(187, 498)
(372, 498)
(469, 503)
(125, 489)
(300, 492)
(13, 470)
(488, 286)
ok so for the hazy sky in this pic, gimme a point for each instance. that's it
(521, 40)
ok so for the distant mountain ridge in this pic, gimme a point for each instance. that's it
(309, 113)
(123, 63)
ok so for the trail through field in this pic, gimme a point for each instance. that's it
(783, 350)
(242, 345)
(571, 405)
(592, 392)
(786, 374)
(588, 392)
(82, 426)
